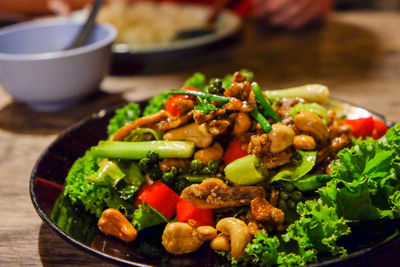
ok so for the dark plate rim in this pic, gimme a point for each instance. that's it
(388, 241)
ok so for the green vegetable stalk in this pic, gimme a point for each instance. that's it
(245, 171)
(138, 150)
(310, 92)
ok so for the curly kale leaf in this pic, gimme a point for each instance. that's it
(124, 115)
(156, 104)
(269, 251)
(392, 138)
(363, 179)
(197, 80)
(319, 227)
(95, 196)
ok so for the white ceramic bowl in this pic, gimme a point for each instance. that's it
(35, 70)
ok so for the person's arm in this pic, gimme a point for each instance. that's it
(291, 14)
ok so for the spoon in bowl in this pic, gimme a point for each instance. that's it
(87, 28)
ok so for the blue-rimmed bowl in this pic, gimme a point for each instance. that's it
(35, 70)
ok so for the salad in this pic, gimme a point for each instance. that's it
(261, 177)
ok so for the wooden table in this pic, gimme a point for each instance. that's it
(356, 54)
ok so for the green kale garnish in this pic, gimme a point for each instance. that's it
(124, 115)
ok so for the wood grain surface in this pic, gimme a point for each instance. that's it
(357, 54)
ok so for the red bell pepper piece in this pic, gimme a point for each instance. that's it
(185, 211)
(171, 105)
(362, 127)
(160, 197)
(234, 152)
(379, 130)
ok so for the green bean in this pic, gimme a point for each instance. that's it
(209, 97)
(261, 120)
(267, 109)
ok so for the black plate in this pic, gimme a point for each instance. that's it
(368, 242)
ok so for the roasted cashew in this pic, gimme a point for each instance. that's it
(207, 232)
(281, 137)
(239, 233)
(114, 223)
(214, 152)
(310, 122)
(304, 142)
(242, 123)
(198, 134)
(221, 242)
(181, 238)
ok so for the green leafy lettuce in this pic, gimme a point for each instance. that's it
(301, 164)
(146, 216)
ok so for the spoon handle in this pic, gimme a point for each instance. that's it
(87, 28)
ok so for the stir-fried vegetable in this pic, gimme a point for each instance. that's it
(223, 161)
(261, 120)
(266, 107)
(124, 115)
(310, 92)
(138, 150)
(207, 96)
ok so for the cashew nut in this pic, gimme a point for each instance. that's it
(242, 123)
(304, 142)
(114, 223)
(239, 233)
(207, 232)
(281, 137)
(180, 238)
(196, 133)
(221, 242)
(310, 122)
(214, 152)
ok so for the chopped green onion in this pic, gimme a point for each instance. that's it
(209, 97)
(267, 109)
(207, 105)
(261, 120)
